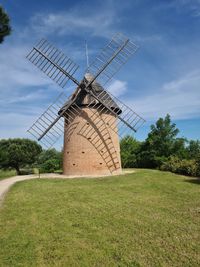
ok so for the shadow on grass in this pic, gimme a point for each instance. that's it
(193, 180)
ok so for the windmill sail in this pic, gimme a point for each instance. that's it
(127, 116)
(49, 126)
(53, 63)
(112, 58)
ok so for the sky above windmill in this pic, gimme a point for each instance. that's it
(162, 77)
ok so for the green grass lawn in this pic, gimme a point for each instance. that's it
(5, 174)
(147, 218)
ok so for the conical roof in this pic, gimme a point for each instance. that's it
(83, 99)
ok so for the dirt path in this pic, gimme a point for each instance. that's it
(5, 184)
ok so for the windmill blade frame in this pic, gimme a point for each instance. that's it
(53, 63)
(48, 128)
(111, 58)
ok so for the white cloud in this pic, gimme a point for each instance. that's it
(38, 95)
(15, 125)
(192, 6)
(118, 88)
(21, 82)
(144, 38)
(16, 71)
(180, 98)
(75, 22)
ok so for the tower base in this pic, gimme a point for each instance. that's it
(90, 146)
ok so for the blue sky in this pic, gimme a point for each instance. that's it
(162, 77)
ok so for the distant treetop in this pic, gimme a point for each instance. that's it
(5, 28)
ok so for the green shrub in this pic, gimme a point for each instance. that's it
(171, 164)
(50, 165)
(49, 161)
(188, 167)
(182, 166)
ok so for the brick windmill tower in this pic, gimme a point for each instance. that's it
(92, 119)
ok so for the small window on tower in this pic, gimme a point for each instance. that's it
(83, 152)
(100, 163)
(74, 164)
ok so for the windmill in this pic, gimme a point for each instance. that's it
(92, 119)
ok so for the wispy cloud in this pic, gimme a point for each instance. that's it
(74, 22)
(15, 124)
(192, 7)
(147, 38)
(180, 98)
(118, 88)
(26, 98)
(16, 71)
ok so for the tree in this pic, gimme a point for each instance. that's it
(160, 143)
(5, 28)
(17, 153)
(179, 148)
(193, 149)
(129, 148)
(50, 160)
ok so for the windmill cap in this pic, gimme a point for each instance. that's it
(83, 99)
(89, 77)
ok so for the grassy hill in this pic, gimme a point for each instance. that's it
(147, 218)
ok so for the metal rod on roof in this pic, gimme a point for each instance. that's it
(86, 54)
